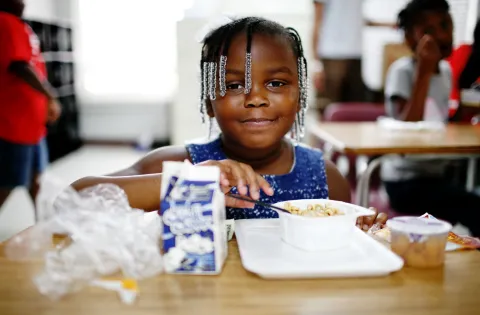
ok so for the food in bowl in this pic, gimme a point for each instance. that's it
(314, 210)
(419, 241)
(316, 233)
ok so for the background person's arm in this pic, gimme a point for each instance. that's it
(406, 101)
(24, 71)
(15, 56)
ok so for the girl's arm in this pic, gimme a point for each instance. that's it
(143, 191)
(338, 186)
(428, 57)
(141, 181)
(339, 189)
(413, 109)
(404, 100)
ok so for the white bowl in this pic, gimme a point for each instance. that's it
(320, 233)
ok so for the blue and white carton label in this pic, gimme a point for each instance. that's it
(193, 214)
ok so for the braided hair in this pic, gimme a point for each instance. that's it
(214, 60)
(411, 14)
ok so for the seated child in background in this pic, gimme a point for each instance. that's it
(254, 83)
(465, 63)
(418, 89)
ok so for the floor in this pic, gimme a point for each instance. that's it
(18, 214)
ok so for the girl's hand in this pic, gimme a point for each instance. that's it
(428, 55)
(365, 223)
(242, 176)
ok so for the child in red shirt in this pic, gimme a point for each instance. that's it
(465, 64)
(26, 102)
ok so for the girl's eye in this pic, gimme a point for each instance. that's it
(276, 84)
(234, 86)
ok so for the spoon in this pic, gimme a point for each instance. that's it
(258, 202)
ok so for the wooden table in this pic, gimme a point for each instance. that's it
(367, 138)
(449, 290)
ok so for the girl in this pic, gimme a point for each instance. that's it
(254, 83)
(418, 89)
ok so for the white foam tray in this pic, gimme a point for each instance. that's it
(264, 253)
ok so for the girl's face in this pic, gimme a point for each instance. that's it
(260, 119)
(438, 25)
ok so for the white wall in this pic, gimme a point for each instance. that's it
(57, 11)
(40, 9)
(375, 38)
(126, 67)
(63, 9)
(268, 7)
(464, 13)
(202, 9)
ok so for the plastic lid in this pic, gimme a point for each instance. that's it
(416, 225)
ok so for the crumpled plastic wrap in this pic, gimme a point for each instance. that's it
(105, 236)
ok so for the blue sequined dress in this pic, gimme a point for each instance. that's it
(306, 180)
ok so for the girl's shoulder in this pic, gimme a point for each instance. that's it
(152, 162)
(201, 150)
(338, 186)
(308, 150)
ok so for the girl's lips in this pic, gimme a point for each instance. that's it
(258, 122)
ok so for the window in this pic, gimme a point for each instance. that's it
(464, 15)
(126, 50)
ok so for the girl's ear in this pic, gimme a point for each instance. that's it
(209, 108)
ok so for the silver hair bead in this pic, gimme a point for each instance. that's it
(303, 85)
(204, 81)
(204, 91)
(212, 80)
(248, 73)
(203, 110)
(294, 130)
(301, 123)
(222, 75)
(305, 81)
(305, 98)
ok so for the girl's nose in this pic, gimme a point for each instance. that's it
(257, 97)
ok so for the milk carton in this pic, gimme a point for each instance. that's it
(193, 214)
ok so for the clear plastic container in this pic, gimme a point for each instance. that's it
(419, 241)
